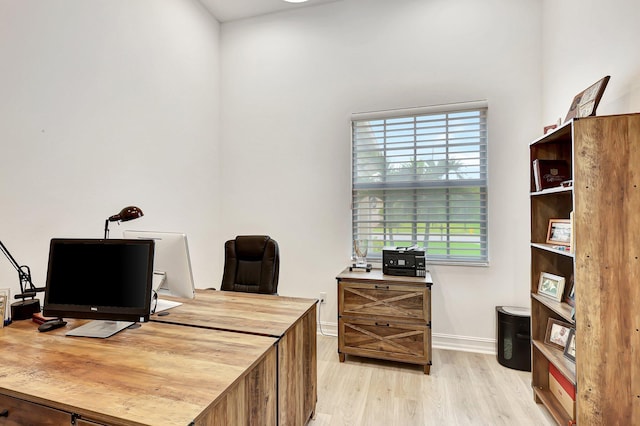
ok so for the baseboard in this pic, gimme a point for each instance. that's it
(439, 341)
(328, 329)
(453, 342)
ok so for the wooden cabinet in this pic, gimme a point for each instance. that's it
(603, 154)
(385, 317)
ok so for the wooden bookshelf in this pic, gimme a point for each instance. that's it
(603, 155)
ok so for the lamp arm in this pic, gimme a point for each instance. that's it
(24, 274)
(11, 259)
(106, 229)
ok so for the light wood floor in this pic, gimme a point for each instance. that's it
(462, 389)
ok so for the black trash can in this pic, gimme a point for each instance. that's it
(514, 337)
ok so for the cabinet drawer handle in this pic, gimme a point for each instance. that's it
(4, 413)
(382, 287)
(380, 324)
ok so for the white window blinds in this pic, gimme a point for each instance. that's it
(419, 177)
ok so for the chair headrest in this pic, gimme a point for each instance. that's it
(251, 246)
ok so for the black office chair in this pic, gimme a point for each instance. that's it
(251, 264)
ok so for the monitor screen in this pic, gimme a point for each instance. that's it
(99, 279)
(171, 262)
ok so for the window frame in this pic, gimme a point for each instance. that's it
(386, 187)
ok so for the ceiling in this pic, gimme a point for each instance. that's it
(231, 10)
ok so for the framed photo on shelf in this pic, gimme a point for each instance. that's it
(559, 232)
(551, 286)
(585, 103)
(557, 334)
(570, 347)
(3, 309)
(570, 299)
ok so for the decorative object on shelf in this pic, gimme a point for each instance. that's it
(559, 232)
(585, 103)
(550, 173)
(572, 240)
(126, 214)
(570, 299)
(564, 392)
(7, 297)
(551, 285)
(554, 126)
(361, 248)
(570, 347)
(3, 309)
(557, 333)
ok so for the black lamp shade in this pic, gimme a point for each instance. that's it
(126, 214)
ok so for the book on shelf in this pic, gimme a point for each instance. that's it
(550, 173)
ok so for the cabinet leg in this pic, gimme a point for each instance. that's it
(341, 357)
(427, 369)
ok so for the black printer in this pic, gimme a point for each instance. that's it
(404, 261)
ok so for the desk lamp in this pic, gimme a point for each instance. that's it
(27, 307)
(126, 214)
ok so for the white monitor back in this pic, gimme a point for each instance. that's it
(171, 258)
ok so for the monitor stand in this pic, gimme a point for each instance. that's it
(99, 328)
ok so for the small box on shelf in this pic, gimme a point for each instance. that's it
(563, 390)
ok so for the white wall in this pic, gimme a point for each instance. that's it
(113, 102)
(583, 41)
(104, 104)
(289, 84)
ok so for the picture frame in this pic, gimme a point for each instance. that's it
(570, 347)
(585, 103)
(559, 232)
(551, 286)
(3, 309)
(557, 333)
(570, 299)
(5, 313)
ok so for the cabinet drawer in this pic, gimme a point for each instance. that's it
(22, 413)
(385, 300)
(385, 340)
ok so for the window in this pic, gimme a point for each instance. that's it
(419, 177)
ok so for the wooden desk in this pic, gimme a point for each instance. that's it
(291, 320)
(158, 374)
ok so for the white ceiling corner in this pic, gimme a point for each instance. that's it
(231, 10)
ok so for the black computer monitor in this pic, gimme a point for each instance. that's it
(99, 279)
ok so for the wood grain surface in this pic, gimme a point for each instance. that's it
(261, 314)
(291, 320)
(607, 219)
(156, 374)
